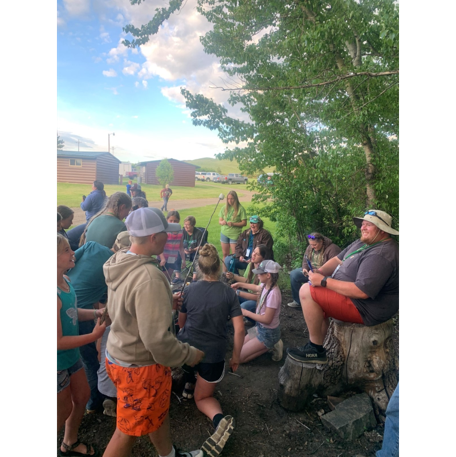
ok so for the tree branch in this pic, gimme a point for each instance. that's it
(306, 86)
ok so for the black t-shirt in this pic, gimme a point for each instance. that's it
(193, 241)
(375, 271)
(208, 305)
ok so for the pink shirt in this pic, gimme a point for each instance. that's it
(273, 301)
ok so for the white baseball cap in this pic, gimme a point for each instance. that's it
(147, 221)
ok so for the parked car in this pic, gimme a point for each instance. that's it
(201, 176)
(215, 177)
(131, 174)
(233, 178)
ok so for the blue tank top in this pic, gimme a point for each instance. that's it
(70, 327)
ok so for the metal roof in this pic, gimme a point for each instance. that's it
(83, 154)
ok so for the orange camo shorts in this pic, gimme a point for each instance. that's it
(143, 397)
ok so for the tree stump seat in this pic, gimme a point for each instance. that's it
(360, 358)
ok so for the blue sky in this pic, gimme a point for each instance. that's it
(104, 87)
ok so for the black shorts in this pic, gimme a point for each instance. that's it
(210, 372)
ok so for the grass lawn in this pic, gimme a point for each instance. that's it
(70, 194)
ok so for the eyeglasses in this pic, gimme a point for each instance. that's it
(374, 213)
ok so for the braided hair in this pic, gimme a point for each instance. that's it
(115, 201)
(274, 279)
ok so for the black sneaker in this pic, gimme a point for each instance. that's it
(214, 445)
(307, 354)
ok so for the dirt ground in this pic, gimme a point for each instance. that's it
(262, 427)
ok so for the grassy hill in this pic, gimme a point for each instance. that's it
(219, 166)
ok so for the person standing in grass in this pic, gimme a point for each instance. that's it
(208, 304)
(232, 218)
(95, 201)
(165, 193)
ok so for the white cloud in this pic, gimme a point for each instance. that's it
(77, 7)
(114, 53)
(144, 83)
(131, 68)
(60, 21)
(136, 84)
(110, 73)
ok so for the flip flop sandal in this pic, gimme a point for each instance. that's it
(70, 453)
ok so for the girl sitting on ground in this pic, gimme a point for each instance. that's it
(207, 306)
(173, 257)
(265, 336)
(73, 390)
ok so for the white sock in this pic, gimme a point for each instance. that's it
(171, 454)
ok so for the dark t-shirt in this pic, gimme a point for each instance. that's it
(209, 305)
(74, 235)
(375, 272)
(193, 241)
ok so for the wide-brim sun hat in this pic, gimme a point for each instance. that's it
(147, 221)
(379, 218)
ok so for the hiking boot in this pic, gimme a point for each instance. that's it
(214, 445)
(293, 304)
(109, 408)
(188, 391)
(277, 351)
(197, 453)
(307, 354)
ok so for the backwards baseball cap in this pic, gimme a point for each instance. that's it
(147, 221)
(254, 219)
(122, 241)
(267, 266)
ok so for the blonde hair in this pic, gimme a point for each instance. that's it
(209, 261)
(235, 205)
(62, 242)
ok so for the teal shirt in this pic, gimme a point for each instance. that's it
(104, 230)
(70, 327)
(232, 232)
(87, 275)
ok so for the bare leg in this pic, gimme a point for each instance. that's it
(64, 407)
(80, 394)
(313, 315)
(252, 349)
(204, 398)
(161, 438)
(225, 250)
(120, 445)
(325, 326)
(233, 247)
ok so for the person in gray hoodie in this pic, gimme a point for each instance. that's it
(319, 251)
(141, 346)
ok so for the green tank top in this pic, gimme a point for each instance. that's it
(70, 327)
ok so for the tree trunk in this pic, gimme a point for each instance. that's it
(359, 358)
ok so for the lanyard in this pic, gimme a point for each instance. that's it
(363, 248)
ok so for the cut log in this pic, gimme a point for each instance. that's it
(360, 358)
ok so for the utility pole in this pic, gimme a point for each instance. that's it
(109, 145)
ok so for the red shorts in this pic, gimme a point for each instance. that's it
(336, 305)
(143, 397)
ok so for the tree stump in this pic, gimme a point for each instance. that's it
(360, 358)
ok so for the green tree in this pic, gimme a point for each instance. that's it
(164, 173)
(321, 89)
(60, 143)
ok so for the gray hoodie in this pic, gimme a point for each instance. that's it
(140, 307)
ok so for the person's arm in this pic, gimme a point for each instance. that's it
(86, 205)
(348, 289)
(252, 287)
(182, 319)
(237, 224)
(89, 314)
(239, 249)
(237, 278)
(162, 260)
(239, 335)
(222, 221)
(265, 318)
(247, 295)
(71, 342)
(328, 268)
(182, 253)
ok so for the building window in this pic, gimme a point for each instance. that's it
(75, 163)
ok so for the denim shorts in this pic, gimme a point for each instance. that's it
(63, 377)
(268, 336)
(225, 239)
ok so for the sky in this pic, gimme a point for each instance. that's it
(105, 88)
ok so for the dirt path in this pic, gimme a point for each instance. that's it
(79, 215)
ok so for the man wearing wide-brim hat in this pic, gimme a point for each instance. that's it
(359, 285)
